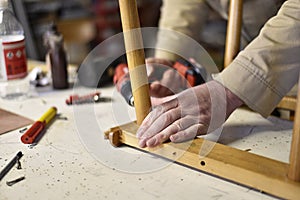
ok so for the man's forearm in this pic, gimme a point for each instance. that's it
(269, 66)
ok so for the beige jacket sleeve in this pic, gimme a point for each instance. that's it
(269, 66)
(183, 16)
(190, 16)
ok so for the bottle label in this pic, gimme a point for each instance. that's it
(13, 58)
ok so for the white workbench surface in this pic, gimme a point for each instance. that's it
(62, 166)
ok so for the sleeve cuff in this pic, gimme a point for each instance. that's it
(247, 82)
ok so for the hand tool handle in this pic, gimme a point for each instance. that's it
(10, 165)
(29, 136)
(48, 115)
(36, 129)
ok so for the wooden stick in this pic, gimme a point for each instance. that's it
(233, 34)
(135, 58)
(294, 169)
(243, 167)
(288, 102)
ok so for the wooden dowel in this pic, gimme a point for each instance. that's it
(288, 102)
(233, 35)
(294, 168)
(135, 58)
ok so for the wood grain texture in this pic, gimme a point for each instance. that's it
(233, 35)
(242, 167)
(288, 102)
(294, 169)
(135, 58)
(10, 121)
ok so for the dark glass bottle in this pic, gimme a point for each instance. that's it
(56, 58)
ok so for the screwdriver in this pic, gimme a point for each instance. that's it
(10, 165)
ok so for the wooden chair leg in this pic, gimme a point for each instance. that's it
(135, 58)
(233, 35)
(294, 168)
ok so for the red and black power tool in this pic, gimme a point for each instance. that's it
(190, 72)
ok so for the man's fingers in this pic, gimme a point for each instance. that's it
(154, 115)
(163, 135)
(158, 90)
(158, 125)
(189, 133)
(158, 101)
(179, 125)
(172, 80)
(159, 61)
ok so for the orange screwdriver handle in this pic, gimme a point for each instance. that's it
(33, 132)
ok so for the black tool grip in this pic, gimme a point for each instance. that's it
(126, 92)
(10, 164)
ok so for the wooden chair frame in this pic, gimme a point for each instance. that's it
(290, 103)
(262, 173)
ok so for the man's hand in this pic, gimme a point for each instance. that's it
(164, 79)
(193, 112)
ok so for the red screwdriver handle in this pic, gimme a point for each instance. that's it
(30, 135)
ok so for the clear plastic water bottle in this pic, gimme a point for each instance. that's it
(13, 62)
